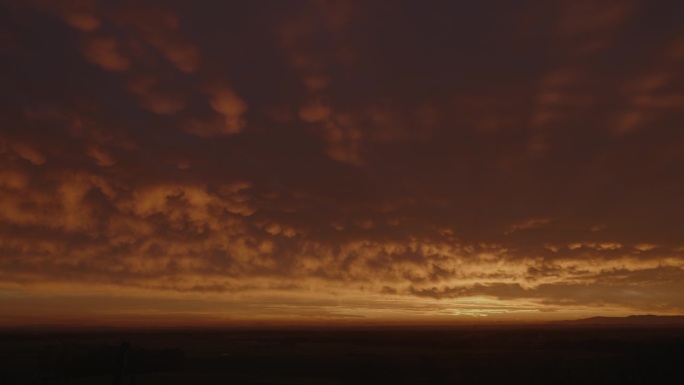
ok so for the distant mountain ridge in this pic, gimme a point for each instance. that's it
(647, 319)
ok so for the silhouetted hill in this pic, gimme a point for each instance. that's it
(636, 320)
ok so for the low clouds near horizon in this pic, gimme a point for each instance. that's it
(340, 160)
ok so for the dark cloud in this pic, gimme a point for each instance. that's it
(351, 158)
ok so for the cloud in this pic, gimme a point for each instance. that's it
(297, 37)
(160, 28)
(166, 102)
(29, 153)
(591, 25)
(105, 52)
(528, 224)
(101, 157)
(227, 103)
(340, 160)
(314, 111)
(80, 14)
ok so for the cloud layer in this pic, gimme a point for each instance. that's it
(340, 160)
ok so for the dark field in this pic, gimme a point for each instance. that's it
(393, 355)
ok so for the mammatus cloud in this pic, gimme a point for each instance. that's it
(588, 26)
(28, 153)
(105, 53)
(160, 28)
(339, 161)
(161, 102)
(227, 104)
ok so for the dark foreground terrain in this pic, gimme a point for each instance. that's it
(553, 354)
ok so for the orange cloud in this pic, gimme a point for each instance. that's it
(159, 102)
(105, 52)
(339, 161)
(314, 111)
(29, 153)
(230, 106)
(160, 28)
(590, 25)
(80, 14)
(101, 157)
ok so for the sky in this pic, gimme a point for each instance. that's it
(253, 162)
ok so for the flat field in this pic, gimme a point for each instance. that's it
(379, 355)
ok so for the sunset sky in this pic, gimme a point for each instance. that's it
(230, 162)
